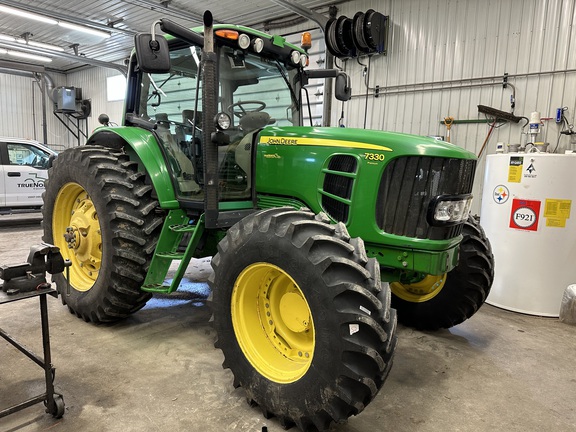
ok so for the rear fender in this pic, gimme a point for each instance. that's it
(142, 147)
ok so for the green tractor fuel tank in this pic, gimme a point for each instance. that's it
(380, 184)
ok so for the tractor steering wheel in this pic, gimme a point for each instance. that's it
(242, 112)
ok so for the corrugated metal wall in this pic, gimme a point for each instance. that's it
(446, 57)
(21, 110)
(93, 83)
(21, 106)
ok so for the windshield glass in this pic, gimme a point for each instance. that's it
(243, 77)
(253, 90)
(250, 84)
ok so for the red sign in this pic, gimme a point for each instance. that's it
(525, 214)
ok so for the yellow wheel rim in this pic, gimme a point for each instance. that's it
(421, 291)
(76, 231)
(272, 322)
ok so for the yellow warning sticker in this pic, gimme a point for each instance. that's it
(515, 169)
(556, 222)
(557, 208)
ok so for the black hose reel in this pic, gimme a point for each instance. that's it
(365, 34)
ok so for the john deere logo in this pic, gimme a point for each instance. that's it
(282, 141)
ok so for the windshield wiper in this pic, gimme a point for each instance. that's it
(157, 91)
(287, 81)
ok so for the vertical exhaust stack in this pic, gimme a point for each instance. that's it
(209, 108)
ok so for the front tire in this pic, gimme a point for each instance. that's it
(449, 299)
(100, 212)
(301, 317)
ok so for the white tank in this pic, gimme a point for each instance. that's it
(526, 212)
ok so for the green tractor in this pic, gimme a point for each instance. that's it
(314, 232)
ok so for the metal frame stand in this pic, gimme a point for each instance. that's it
(81, 125)
(54, 402)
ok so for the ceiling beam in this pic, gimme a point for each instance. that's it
(4, 64)
(308, 13)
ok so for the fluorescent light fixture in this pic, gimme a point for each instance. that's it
(31, 43)
(29, 56)
(29, 15)
(42, 45)
(25, 55)
(48, 20)
(84, 29)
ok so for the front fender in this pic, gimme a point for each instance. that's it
(143, 146)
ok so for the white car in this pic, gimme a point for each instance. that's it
(23, 170)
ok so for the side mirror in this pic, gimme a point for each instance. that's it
(342, 89)
(152, 53)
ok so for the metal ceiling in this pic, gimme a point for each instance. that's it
(123, 19)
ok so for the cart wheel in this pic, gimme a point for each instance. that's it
(58, 406)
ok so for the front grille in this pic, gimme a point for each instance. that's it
(344, 163)
(339, 186)
(410, 183)
(336, 209)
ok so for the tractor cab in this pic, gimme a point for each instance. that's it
(258, 84)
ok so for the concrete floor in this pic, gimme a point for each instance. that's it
(158, 370)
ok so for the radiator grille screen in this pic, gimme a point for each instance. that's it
(410, 183)
(339, 185)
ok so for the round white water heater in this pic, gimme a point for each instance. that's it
(527, 203)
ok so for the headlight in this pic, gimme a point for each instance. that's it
(222, 121)
(295, 57)
(449, 209)
(258, 45)
(243, 41)
(304, 60)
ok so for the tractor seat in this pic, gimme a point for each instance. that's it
(189, 119)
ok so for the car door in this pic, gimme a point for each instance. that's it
(24, 174)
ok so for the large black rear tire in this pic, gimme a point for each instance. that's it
(447, 300)
(301, 317)
(99, 200)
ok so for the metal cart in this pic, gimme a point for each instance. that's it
(18, 279)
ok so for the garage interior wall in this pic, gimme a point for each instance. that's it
(21, 109)
(445, 57)
(93, 82)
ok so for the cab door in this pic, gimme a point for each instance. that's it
(24, 173)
